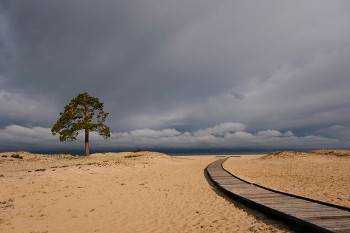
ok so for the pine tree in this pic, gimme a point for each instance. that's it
(83, 113)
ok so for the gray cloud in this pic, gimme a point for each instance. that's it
(237, 95)
(181, 65)
(39, 138)
(17, 108)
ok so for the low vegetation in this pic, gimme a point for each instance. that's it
(339, 153)
(40, 162)
(137, 150)
(286, 154)
(68, 154)
(132, 156)
(16, 156)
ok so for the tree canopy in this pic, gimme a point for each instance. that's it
(83, 113)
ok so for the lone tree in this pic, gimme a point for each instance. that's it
(83, 112)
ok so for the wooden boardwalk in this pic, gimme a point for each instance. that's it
(323, 217)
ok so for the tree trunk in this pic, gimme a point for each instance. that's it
(86, 142)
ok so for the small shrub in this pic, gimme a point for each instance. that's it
(68, 154)
(40, 170)
(103, 152)
(16, 156)
(132, 156)
(4, 156)
(137, 150)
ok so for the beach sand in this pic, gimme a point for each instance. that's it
(136, 192)
(322, 175)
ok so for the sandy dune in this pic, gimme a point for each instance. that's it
(322, 175)
(147, 192)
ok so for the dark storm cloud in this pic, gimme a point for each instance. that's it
(111, 49)
(273, 65)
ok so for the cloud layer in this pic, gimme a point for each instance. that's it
(226, 135)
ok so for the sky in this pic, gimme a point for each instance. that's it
(178, 74)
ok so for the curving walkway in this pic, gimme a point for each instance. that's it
(324, 217)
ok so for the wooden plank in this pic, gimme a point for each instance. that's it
(236, 185)
(327, 215)
(295, 207)
(322, 217)
(219, 179)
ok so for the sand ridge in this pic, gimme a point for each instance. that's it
(112, 192)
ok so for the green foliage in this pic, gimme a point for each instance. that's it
(137, 150)
(16, 156)
(83, 113)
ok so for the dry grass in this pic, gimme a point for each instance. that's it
(133, 156)
(340, 153)
(291, 154)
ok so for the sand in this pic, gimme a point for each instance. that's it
(322, 175)
(130, 192)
